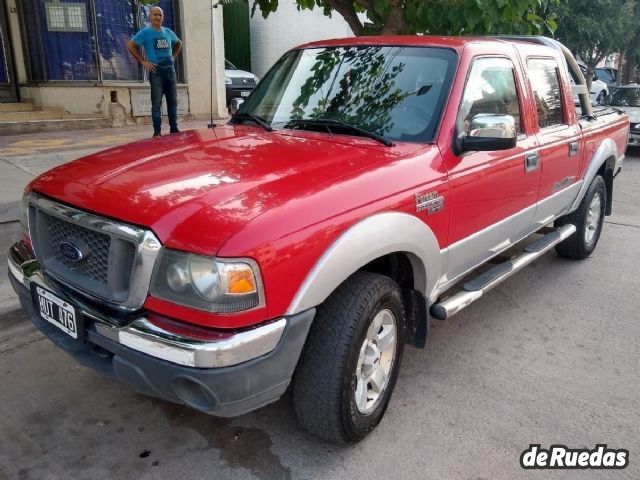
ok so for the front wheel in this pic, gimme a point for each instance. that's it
(350, 363)
(601, 96)
(588, 219)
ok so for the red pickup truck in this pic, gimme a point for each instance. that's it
(366, 186)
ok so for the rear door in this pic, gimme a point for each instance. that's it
(558, 136)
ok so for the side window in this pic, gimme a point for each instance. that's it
(543, 75)
(490, 88)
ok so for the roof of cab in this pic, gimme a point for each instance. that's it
(457, 43)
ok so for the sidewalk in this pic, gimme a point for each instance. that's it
(23, 157)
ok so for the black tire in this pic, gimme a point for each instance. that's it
(601, 96)
(324, 385)
(582, 243)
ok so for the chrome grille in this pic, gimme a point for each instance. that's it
(101, 258)
(96, 266)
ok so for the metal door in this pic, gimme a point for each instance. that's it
(8, 89)
(236, 34)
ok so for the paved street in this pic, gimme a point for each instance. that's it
(551, 356)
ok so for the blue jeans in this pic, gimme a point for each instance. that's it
(164, 82)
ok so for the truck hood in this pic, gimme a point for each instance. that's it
(195, 189)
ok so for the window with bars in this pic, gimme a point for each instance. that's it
(116, 23)
(86, 40)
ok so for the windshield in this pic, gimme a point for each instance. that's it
(624, 97)
(397, 92)
(229, 66)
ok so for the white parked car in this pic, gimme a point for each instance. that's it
(239, 83)
(599, 89)
(627, 98)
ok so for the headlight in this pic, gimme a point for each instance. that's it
(206, 283)
(256, 79)
(227, 80)
(24, 212)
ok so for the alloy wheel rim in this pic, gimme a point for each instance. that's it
(593, 219)
(375, 362)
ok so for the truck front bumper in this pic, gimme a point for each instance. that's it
(232, 374)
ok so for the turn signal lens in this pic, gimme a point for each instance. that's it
(241, 280)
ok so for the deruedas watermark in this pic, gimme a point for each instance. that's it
(561, 456)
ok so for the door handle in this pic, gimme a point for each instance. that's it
(573, 148)
(531, 161)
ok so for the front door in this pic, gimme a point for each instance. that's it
(8, 89)
(493, 194)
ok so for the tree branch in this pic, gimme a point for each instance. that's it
(348, 12)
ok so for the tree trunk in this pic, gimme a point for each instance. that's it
(630, 63)
(395, 23)
(589, 78)
(591, 64)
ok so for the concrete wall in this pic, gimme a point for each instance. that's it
(75, 100)
(287, 28)
(196, 33)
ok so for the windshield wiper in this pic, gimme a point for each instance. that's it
(255, 118)
(324, 122)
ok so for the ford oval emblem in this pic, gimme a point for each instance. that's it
(70, 251)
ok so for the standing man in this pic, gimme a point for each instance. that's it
(161, 47)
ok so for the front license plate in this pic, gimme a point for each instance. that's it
(245, 93)
(56, 311)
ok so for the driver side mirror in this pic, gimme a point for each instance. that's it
(488, 132)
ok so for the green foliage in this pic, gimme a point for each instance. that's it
(475, 17)
(443, 17)
(595, 28)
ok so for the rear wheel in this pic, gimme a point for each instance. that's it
(588, 219)
(351, 360)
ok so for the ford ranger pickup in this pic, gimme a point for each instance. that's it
(365, 187)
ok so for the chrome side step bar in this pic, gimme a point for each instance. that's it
(474, 289)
